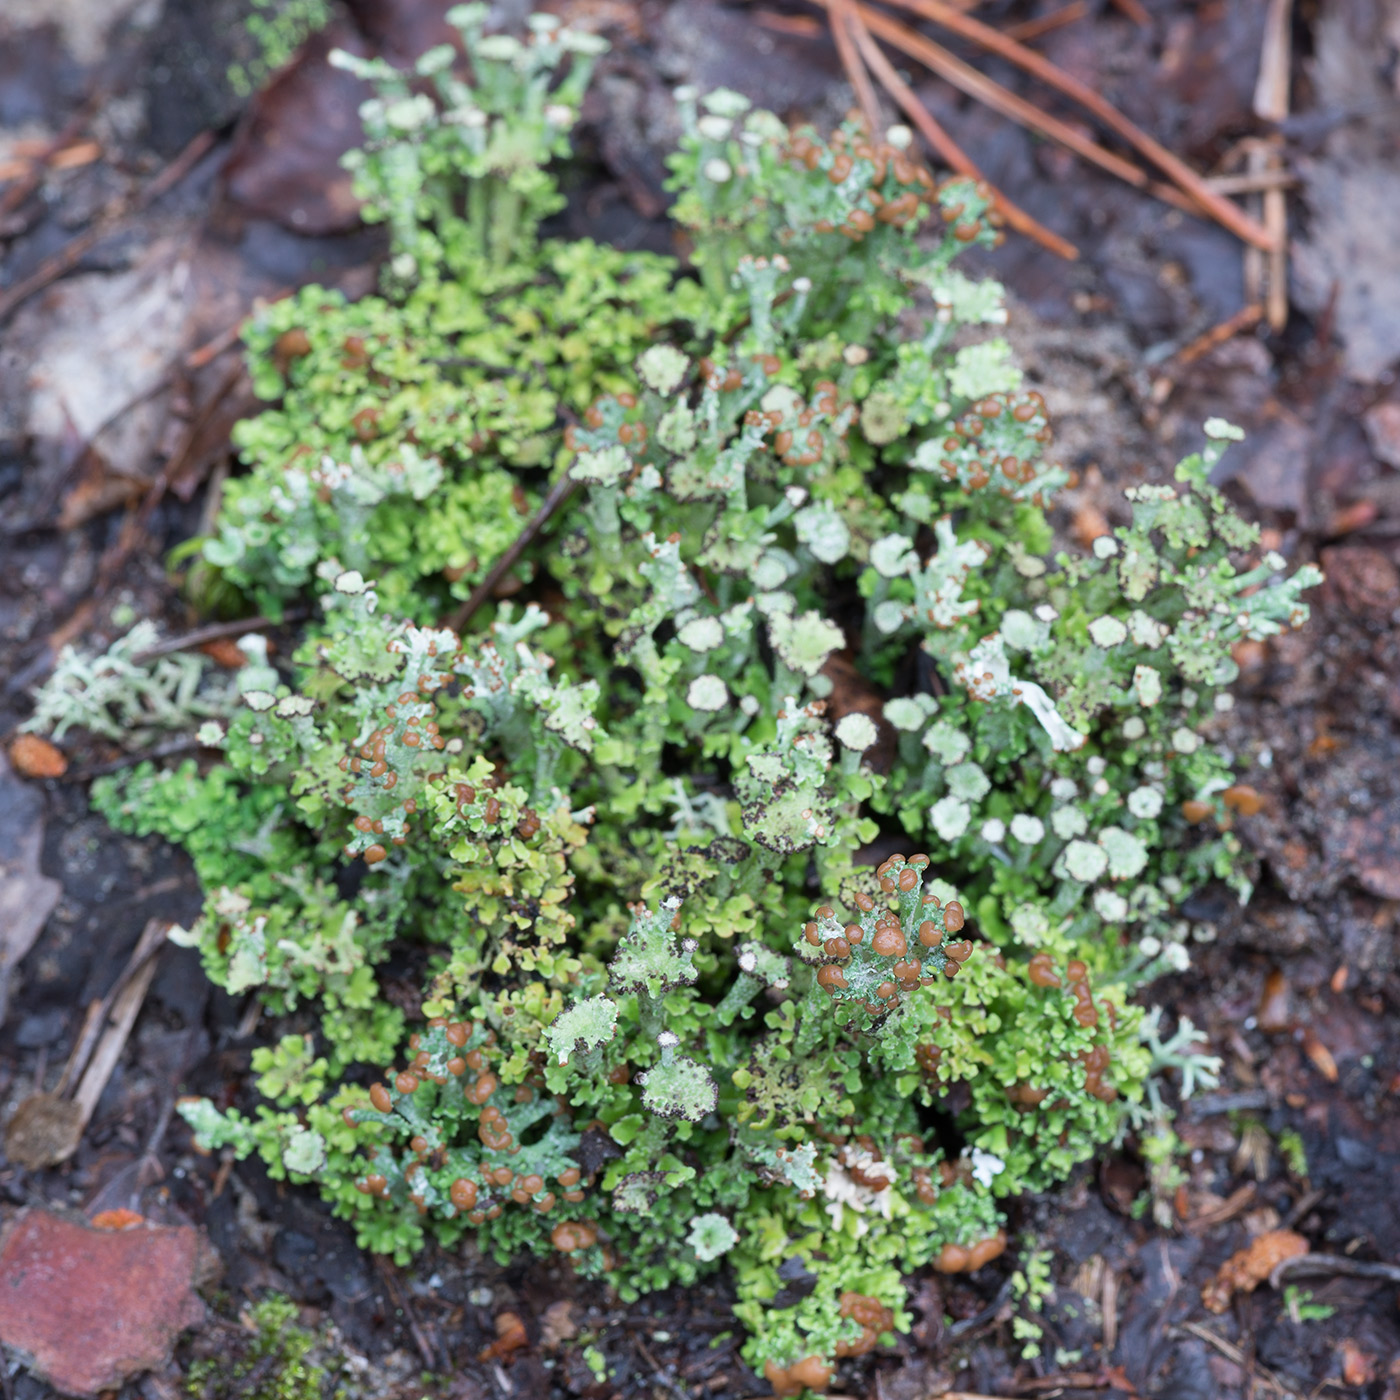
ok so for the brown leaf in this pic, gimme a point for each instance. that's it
(34, 757)
(1090, 523)
(558, 1325)
(285, 165)
(44, 1129)
(1358, 1367)
(1244, 1271)
(92, 1308)
(510, 1336)
(1274, 1013)
(225, 652)
(1320, 1056)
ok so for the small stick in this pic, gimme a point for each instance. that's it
(1230, 215)
(1110, 1312)
(1204, 343)
(1272, 104)
(1033, 28)
(1275, 61)
(944, 144)
(151, 940)
(1328, 1264)
(425, 1350)
(72, 253)
(842, 27)
(1228, 1209)
(184, 744)
(967, 79)
(1135, 11)
(559, 493)
(213, 632)
(1253, 182)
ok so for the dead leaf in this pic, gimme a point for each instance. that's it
(91, 1308)
(34, 757)
(1358, 1367)
(27, 896)
(226, 653)
(558, 1325)
(1274, 1013)
(96, 351)
(285, 164)
(1320, 1056)
(44, 1129)
(1245, 1270)
(510, 1336)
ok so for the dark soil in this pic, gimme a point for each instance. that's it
(1299, 991)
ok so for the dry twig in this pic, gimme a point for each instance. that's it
(968, 79)
(944, 144)
(1234, 218)
(72, 253)
(1033, 28)
(559, 493)
(47, 1127)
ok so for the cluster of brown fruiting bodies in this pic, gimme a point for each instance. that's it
(479, 1200)
(898, 187)
(889, 940)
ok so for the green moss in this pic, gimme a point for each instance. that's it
(278, 1361)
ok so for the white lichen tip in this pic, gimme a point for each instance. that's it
(668, 1040)
(856, 731)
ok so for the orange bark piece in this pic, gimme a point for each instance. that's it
(510, 1336)
(120, 1219)
(1245, 1270)
(34, 757)
(90, 1308)
(225, 652)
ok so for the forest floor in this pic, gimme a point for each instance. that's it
(144, 206)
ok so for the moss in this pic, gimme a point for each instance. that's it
(278, 1361)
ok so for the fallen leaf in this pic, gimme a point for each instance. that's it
(1358, 1367)
(1090, 523)
(27, 896)
(1245, 1270)
(226, 653)
(1320, 1056)
(92, 1308)
(43, 1130)
(510, 1336)
(558, 1325)
(34, 757)
(285, 165)
(1274, 1013)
